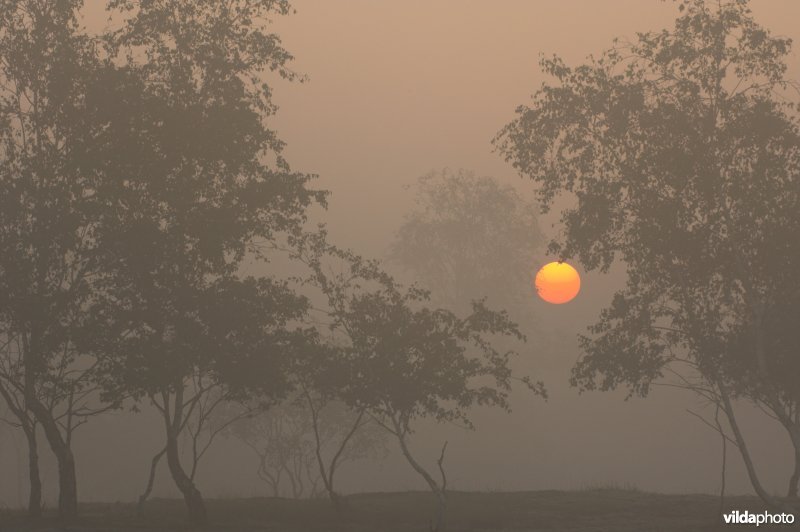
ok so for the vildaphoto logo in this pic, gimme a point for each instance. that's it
(764, 518)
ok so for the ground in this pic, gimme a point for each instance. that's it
(595, 510)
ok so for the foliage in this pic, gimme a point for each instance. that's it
(401, 361)
(468, 237)
(199, 185)
(404, 357)
(50, 220)
(682, 158)
(139, 172)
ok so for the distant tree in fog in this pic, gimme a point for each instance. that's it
(682, 152)
(341, 430)
(469, 237)
(279, 437)
(400, 360)
(290, 440)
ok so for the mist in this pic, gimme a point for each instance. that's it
(388, 93)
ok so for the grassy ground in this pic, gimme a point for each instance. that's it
(595, 510)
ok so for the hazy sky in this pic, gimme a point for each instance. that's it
(399, 88)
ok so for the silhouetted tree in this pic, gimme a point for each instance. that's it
(211, 414)
(469, 237)
(132, 154)
(199, 186)
(293, 443)
(50, 222)
(683, 158)
(279, 436)
(403, 361)
(340, 430)
(191, 353)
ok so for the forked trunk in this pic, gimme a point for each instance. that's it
(339, 502)
(67, 480)
(439, 523)
(752, 474)
(60, 445)
(150, 482)
(327, 473)
(191, 495)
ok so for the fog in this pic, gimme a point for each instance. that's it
(393, 91)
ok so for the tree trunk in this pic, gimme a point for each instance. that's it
(191, 495)
(274, 481)
(745, 453)
(791, 425)
(28, 424)
(795, 478)
(59, 444)
(67, 485)
(441, 496)
(150, 481)
(327, 473)
(67, 480)
(35, 481)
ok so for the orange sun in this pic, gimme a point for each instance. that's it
(557, 282)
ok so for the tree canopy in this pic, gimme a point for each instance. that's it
(401, 359)
(681, 151)
(468, 237)
(139, 173)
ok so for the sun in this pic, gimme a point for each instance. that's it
(557, 282)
